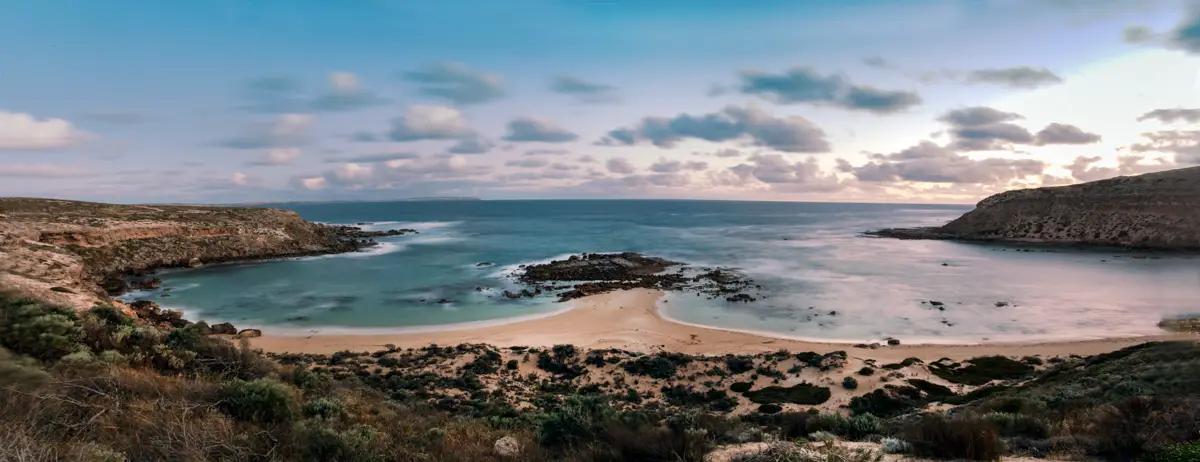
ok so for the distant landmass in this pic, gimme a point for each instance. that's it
(409, 199)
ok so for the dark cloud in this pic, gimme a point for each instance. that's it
(791, 134)
(429, 123)
(619, 165)
(805, 85)
(877, 62)
(1172, 115)
(289, 130)
(42, 171)
(585, 159)
(564, 167)
(457, 83)
(1138, 35)
(582, 90)
(372, 158)
(1187, 35)
(472, 145)
(1057, 133)
(721, 153)
(527, 163)
(1015, 77)
(273, 94)
(928, 162)
(984, 129)
(537, 130)
(365, 137)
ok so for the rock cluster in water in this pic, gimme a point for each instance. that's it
(1151, 211)
(594, 273)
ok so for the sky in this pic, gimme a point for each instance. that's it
(914, 101)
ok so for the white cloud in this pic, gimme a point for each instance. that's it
(286, 131)
(239, 179)
(425, 122)
(24, 131)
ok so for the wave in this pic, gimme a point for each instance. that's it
(420, 226)
(293, 331)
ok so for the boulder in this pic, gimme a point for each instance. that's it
(202, 328)
(507, 447)
(195, 263)
(224, 329)
(249, 333)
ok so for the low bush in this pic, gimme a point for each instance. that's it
(259, 401)
(959, 437)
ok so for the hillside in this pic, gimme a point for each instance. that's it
(70, 252)
(1152, 211)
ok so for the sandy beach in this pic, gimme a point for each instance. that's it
(629, 320)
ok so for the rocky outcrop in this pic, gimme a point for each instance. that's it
(1152, 211)
(87, 249)
(597, 273)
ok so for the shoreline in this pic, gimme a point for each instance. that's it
(630, 320)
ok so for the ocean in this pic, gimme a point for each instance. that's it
(821, 278)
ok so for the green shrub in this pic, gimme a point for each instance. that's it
(511, 365)
(1182, 452)
(958, 437)
(866, 371)
(261, 400)
(739, 364)
(579, 420)
(324, 408)
(740, 387)
(37, 330)
(1018, 425)
(850, 383)
(656, 367)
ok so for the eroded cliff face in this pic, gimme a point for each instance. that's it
(64, 250)
(1155, 210)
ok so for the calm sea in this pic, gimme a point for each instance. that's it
(822, 279)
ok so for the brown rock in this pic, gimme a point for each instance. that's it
(224, 329)
(249, 333)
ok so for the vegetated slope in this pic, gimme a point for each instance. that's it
(65, 250)
(1155, 211)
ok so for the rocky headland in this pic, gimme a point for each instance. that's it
(76, 253)
(1155, 211)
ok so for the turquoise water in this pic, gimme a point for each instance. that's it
(809, 258)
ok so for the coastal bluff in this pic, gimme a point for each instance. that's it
(75, 253)
(1158, 211)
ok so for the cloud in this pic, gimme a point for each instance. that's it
(527, 163)
(422, 122)
(546, 152)
(721, 153)
(619, 165)
(41, 171)
(277, 156)
(472, 145)
(877, 62)
(928, 162)
(345, 94)
(1186, 36)
(805, 85)
(1083, 168)
(1015, 77)
(115, 118)
(1172, 115)
(1057, 133)
(586, 159)
(1185, 144)
(675, 166)
(538, 130)
(288, 130)
(983, 128)
(239, 179)
(23, 131)
(775, 170)
(273, 94)
(314, 183)
(457, 83)
(791, 134)
(582, 90)
(564, 167)
(1138, 35)
(373, 158)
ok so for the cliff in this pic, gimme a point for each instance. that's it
(1151, 211)
(69, 251)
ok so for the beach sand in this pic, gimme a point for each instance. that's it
(629, 320)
